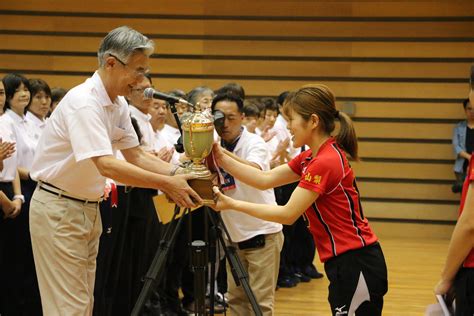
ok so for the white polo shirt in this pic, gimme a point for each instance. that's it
(25, 139)
(241, 226)
(86, 124)
(170, 133)
(162, 141)
(7, 134)
(281, 122)
(37, 125)
(143, 120)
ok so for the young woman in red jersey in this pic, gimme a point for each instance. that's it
(327, 191)
(458, 271)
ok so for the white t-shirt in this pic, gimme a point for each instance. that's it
(25, 139)
(86, 124)
(7, 134)
(143, 120)
(241, 226)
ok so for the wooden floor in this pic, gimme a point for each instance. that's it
(413, 267)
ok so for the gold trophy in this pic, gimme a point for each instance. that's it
(198, 137)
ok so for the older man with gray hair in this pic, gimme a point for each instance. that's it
(74, 157)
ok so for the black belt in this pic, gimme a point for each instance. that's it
(254, 242)
(65, 195)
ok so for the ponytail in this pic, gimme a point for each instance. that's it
(318, 99)
(346, 138)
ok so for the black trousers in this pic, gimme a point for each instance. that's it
(7, 189)
(362, 274)
(298, 248)
(21, 293)
(143, 234)
(110, 256)
(464, 291)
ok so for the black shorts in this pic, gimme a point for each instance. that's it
(358, 281)
(464, 291)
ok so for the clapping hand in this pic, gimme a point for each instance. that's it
(6, 151)
(165, 154)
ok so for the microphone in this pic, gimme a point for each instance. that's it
(151, 93)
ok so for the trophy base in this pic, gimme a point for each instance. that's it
(203, 187)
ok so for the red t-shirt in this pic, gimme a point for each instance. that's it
(469, 262)
(337, 222)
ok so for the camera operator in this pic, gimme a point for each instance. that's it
(258, 242)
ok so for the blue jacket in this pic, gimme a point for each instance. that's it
(459, 144)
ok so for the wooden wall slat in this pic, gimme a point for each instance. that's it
(253, 48)
(423, 191)
(341, 89)
(66, 82)
(404, 130)
(242, 28)
(409, 110)
(412, 230)
(405, 150)
(253, 67)
(336, 69)
(253, 8)
(410, 211)
(382, 170)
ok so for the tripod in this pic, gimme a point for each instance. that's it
(199, 263)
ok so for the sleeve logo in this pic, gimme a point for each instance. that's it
(316, 179)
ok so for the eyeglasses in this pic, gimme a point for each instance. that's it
(138, 90)
(139, 73)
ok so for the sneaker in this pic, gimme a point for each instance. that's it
(302, 277)
(312, 272)
(286, 282)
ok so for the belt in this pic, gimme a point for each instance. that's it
(61, 193)
(254, 242)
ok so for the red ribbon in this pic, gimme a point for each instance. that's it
(113, 195)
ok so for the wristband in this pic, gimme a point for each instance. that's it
(19, 197)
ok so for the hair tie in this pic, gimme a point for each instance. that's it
(336, 115)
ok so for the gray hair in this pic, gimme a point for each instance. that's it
(194, 95)
(123, 42)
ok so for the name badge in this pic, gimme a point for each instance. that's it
(229, 181)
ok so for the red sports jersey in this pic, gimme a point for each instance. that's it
(469, 262)
(337, 222)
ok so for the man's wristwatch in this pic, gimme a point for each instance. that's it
(19, 197)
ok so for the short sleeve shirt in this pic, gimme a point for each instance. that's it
(336, 218)
(242, 226)
(86, 124)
